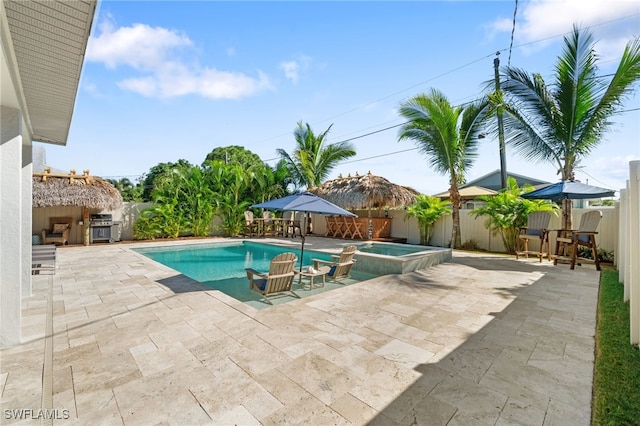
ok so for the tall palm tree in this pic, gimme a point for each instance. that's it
(312, 160)
(448, 136)
(562, 122)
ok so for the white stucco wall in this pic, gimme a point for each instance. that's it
(11, 207)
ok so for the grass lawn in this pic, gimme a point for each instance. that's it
(616, 387)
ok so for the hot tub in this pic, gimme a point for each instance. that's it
(391, 258)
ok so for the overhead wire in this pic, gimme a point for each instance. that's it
(513, 30)
(451, 71)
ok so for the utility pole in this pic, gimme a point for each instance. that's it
(503, 159)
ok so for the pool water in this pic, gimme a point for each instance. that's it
(222, 266)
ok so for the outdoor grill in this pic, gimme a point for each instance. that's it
(103, 228)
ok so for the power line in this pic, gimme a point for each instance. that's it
(451, 71)
(424, 82)
(513, 30)
(381, 155)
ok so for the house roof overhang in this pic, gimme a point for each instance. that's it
(43, 47)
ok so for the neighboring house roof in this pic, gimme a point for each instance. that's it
(468, 193)
(492, 181)
(44, 45)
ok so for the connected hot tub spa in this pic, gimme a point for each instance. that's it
(390, 258)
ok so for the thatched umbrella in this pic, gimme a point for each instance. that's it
(365, 192)
(88, 192)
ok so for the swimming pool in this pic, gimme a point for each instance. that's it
(221, 266)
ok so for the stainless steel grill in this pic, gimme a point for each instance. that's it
(103, 228)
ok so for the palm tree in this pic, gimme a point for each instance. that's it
(312, 161)
(127, 189)
(448, 137)
(562, 122)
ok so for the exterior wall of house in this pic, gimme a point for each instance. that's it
(15, 219)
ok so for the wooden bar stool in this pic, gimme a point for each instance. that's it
(331, 226)
(356, 231)
(347, 227)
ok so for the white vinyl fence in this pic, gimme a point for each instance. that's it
(472, 229)
(628, 261)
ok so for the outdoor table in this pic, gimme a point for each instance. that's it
(320, 272)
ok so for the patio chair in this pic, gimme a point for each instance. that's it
(279, 279)
(536, 229)
(569, 241)
(58, 232)
(268, 224)
(339, 266)
(294, 224)
(43, 259)
(250, 225)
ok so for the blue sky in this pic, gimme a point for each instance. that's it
(166, 80)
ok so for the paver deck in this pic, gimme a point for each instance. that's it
(115, 338)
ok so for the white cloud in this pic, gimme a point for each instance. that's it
(155, 53)
(209, 83)
(139, 46)
(292, 69)
(538, 20)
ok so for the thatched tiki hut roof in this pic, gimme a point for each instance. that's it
(365, 192)
(87, 191)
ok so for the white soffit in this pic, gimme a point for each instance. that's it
(49, 40)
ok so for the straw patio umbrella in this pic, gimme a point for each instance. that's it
(366, 192)
(88, 192)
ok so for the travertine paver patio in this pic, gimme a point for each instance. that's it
(481, 340)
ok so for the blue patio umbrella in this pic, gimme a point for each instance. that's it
(305, 202)
(568, 190)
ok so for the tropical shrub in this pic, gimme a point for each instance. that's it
(507, 212)
(187, 197)
(184, 205)
(427, 210)
(470, 244)
(230, 185)
(605, 256)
